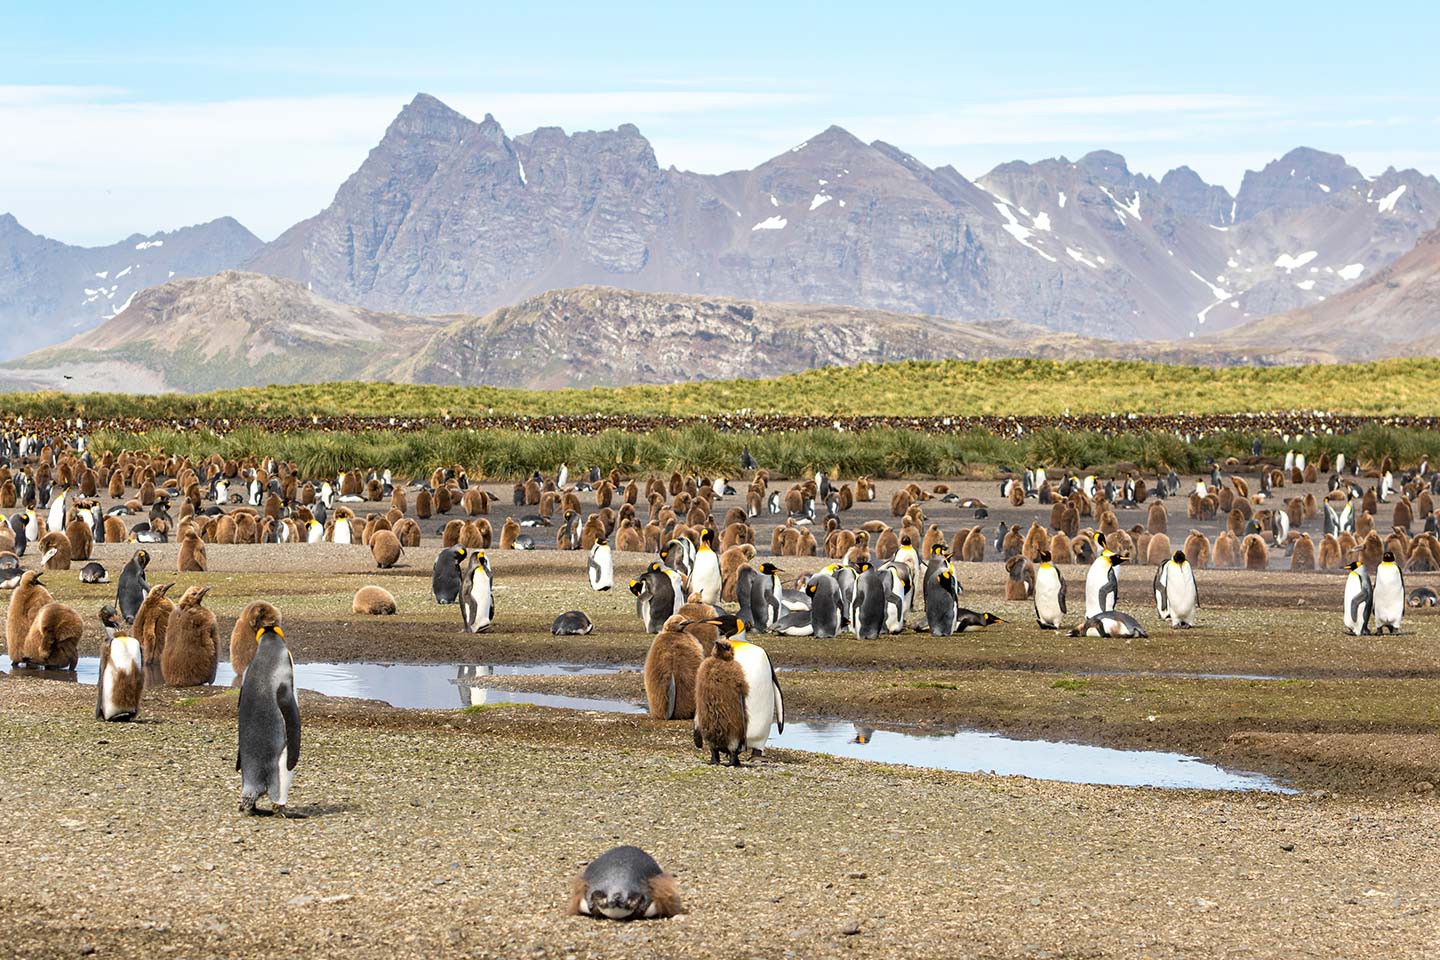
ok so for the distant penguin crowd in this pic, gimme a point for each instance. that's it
(702, 589)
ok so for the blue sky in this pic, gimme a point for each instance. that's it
(140, 117)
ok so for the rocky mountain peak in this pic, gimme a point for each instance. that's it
(1301, 178)
(426, 118)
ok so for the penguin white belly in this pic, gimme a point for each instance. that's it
(480, 596)
(602, 570)
(1357, 605)
(1183, 597)
(677, 592)
(1098, 595)
(1047, 598)
(342, 531)
(316, 535)
(283, 775)
(1389, 598)
(124, 659)
(705, 577)
(56, 520)
(763, 706)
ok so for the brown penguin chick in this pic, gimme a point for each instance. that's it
(790, 546)
(398, 500)
(900, 502)
(1157, 520)
(152, 620)
(509, 531)
(628, 538)
(116, 486)
(1370, 502)
(53, 639)
(81, 540)
(1224, 554)
(443, 499)
(1070, 521)
(191, 642)
(1020, 582)
(1036, 541)
(1225, 500)
(1257, 555)
(115, 531)
(374, 602)
(1235, 522)
(1017, 495)
(470, 536)
(1364, 526)
(424, 504)
(1245, 507)
(1303, 556)
(473, 502)
(386, 549)
(806, 546)
(691, 619)
(192, 558)
(1157, 551)
(225, 529)
(730, 563)
(450, 534)
(1404, 515)
(1109, 523)
(1012, 544)
(26, 602)
(1371, 550)
(864, 489)
(55, 547)
(670, 669)
(243, 643)
(974, 551)
(934, 537)
(1329, 558)
(720, 694)
(1060, 549)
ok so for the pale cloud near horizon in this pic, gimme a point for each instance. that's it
(90, 164)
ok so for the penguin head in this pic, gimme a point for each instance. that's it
(1044, 556)
(946, 576)
(271, 630)
(635, 586)
(990, 618)
(142, 557)
(723, 649)
(1116, 558)
(730, 625)
(769, 569)
(1100, 540)
(1179, 558)
(862, 565)
(601, 542)
(655, 567)
(1387, 557)
(937, 550)
(1353, 565)
(461, 553)
(707, 538)
(810, 588)
(905, 541)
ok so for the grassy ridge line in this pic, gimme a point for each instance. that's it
(880, 452)
(909, 388)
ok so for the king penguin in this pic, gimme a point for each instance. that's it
(269, 724)
(477, 596)
(601, 569)
(764, 702)
(445, 577)
(1176, 596)
(1102, 586)
(1389, 595)
(705, 580)
(1049, 593)
(1359, 602)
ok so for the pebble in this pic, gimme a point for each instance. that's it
(851, 929)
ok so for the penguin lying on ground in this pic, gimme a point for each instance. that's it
(1110, 623)
(573, 623)
(624, 884)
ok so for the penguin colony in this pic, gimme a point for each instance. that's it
(703, 664)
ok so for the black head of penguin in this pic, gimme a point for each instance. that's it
(1043, 557)
(1179, 557)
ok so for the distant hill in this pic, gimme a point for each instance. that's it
(49, 290)
(231, 329)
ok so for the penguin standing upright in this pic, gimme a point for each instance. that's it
(132, 588)
(1359, 601)
(1388, 595)
(868, 607)
(1102, 586)
(20, 527)
(445, 577)
(1176, 596)
(764, 702)
(269, 729)
(56, 519)
(477, 596)
(705, 579)
(1049, 593)
(122, 678)
(942, 604)
(601, 569)
(659, 595)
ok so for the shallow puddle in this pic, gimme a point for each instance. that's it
(445, 686)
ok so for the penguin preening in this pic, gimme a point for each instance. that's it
(1176, 596)
(624, 884)
(132, 588)
(121, 680)
(659, 595)
(477, 598)
(269, 724)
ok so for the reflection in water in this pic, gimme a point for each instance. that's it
(421, 686)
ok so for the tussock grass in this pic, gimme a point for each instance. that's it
(909, 388)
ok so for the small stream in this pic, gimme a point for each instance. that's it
(448, 686)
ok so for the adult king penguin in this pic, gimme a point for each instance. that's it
(1049, 593)
(764, 703)
(1102, 586)
(705, 579)
(1359, 601)
(269, 724)
(1176, 596)
(1389, 595)
(601, 569)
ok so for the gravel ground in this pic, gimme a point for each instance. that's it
(429, 834)
(453, 834)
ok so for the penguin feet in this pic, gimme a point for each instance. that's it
(757, 753)
(279, 811)
(247, 806)
(714, 755)
(735, 758)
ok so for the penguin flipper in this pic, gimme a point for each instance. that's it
(779, 700)
(670, 700)
(290, 710)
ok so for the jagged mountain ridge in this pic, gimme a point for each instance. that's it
(51, 290)
(448, 215)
